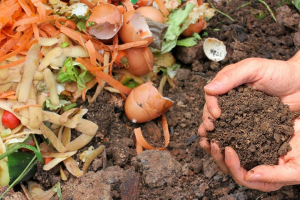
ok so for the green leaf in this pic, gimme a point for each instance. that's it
(259, 14)
(81, 25)
(56, 188)
(178, 23)
(297, 4)
(65, 44)
(62, 103)
(190, 41)
(74, 71)
(21, 145)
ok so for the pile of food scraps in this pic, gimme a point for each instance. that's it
(52, 52)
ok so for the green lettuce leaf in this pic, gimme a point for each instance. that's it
(190, 41)
(74, 71)
(297, 4)
(176, 19)
(62, 103)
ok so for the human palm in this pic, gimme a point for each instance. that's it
(278, 78)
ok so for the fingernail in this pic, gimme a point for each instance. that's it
(212, 86)
(253, 176)
(227, 154)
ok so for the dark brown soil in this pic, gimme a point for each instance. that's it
(256, 125)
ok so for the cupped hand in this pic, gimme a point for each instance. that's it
(264, 177)
(278, 78)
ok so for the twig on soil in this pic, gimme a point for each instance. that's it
(219, 11)
(269, 9)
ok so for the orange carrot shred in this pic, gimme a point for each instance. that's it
(13, 63)
(48, 159)
(88, 3)
(36, 31)
(162, 7)
(41, 9)
(130, 45)
(91, 49)
(140, 140)
(111, 81)
(26, 106)
(73, 34)
(19, 49)
(127, 4)
(70, 24)
(26, 8)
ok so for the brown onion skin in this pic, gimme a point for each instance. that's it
(145, 103)
(194, 28)
(137, 63)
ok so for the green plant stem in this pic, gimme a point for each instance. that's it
(219, 11)
(269, 9)
(245, 4)
(32, 163)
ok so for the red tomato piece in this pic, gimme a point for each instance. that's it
(9, 120)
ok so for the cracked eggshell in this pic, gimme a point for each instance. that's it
(214, 49)
(135, 28)
(107, 20)
(145, 103)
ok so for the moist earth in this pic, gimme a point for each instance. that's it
(183, 170)
(256, 125)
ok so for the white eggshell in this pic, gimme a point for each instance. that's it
(214, 49)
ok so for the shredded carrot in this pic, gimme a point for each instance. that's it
(26, 8)
(88, 3)
(19, 49)
(7, 46)
(88, 65)
(49, 29)
(25, 106)
(140, 140)
(41, 9)
(130, 45)
(7, 93)
(91, 49)
(83, 94)
(31, 43)
(113, 82)
(162, 7)
(122, 59)
(127, 4)
(48, 159)
(13, 63)
(36, 31)
(70, 24)
(74, 35)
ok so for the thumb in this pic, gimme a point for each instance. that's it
(233, 75)
(282, 174)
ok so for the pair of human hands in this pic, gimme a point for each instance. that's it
(274, 77)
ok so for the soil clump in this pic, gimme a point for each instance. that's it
(256, 125)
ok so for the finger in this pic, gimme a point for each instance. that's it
(207, 119)
(204, 143)
(238, 173)
(234, 75)
(212, 106)
(287, 174)
(218, 156)
(202, 131)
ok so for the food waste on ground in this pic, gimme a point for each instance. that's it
(53, 52)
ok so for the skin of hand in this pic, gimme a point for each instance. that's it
(274, 77)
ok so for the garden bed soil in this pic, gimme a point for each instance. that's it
(183, 170)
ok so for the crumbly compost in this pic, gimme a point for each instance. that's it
(256, 125)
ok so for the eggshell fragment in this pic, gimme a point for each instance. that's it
(145, 103)
(105, 21)
(214, 49)
(135, 28)
(137, 63)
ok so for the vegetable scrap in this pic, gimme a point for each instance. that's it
(53, 52)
